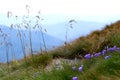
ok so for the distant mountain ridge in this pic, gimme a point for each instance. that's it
(15, 48)
(80, 28)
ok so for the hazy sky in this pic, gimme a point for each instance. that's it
(58, 11)
(69, 7)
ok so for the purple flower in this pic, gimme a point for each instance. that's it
(118, 49)
(73, 68)
(111, 49)
(97, 54)
(80, 68)
(115, 47)
(74, 78)
(104, 52)
(87, 56)
(107, 57)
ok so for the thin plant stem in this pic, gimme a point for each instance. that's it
(22, 45)
(7, 55)
(43, 39)
(30, 38)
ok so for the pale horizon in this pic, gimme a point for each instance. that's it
(54, 11)
(69, 7)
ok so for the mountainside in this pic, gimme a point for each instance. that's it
(12, 39)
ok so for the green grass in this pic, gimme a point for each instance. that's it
(110, 66)
(94, 69)
(40, 61)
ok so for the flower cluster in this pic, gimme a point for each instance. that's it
(103, 52)
(89, 56)
(80, 69)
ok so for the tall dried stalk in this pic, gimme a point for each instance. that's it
(43, 39)
(18, 26)
(30, 38)
(7, 53)
(29, 27)
(22, 43)
(67, 29)
(41, 31)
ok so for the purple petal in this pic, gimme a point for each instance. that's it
(110, 49)
(115, 47)
(74, 78)
(104, 52)
(118, 49)
(87, 56)
(80, 68)
(107, 57)
(97, 54)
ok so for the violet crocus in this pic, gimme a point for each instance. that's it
(87, 56)
(74, 78)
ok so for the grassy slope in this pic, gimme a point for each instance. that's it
(94, 69)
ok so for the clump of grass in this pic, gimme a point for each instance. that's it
(72, 50)
(40, 61)
(110, 66)
(110, 40)
(62, 74)
(57, 54)
(80, 48)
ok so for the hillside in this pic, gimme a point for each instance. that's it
(93, 42)
(92, 57)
